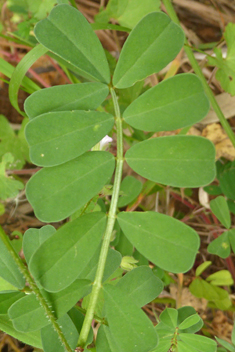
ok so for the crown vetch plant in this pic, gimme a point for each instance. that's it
(76, 260)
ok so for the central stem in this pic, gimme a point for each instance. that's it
(109, 228)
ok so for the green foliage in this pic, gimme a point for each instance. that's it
(127, 13)
(221, 246)
(176, 329)
(13, 143)
(120, 311)
(75, 261)
(9, 270)
(27, 315)
(129, 190)
(50, 342)
(219, 208)
(38, 8)
(208, 288)
(9, 187)
(7, 299)
(226, 175)
(226, 67)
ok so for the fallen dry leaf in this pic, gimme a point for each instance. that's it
(223, 145)
(187, 299)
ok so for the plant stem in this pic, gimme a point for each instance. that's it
(35, 289)
(109, 228)
(198, 71)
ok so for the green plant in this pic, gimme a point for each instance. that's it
(76, 260)
(209, 289)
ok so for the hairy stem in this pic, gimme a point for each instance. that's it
(35, 289)
(109, 228)
(198, 71)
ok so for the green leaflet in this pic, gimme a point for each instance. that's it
(225, 66)
(190, 321)
(112, 263)
(202, 289)
(129, 326)
(6, 300)
(170, 105)
(200, 343)
(70, 247)
(56, 193)
(50, 340)
(220, 246)
(105, 341)
(220, 209)
(152, 44)
(226, 179)
(165, 241)
(140, 285)
(202, 267)
(184, 315)
(130, 189)
(67, 34)
(14, 143)
(9, 270)
(85, 96)
(179, 161)
(28, 315)
(65, 135)
(169, 317)
(32, 339)
(220, 278)
(33, 238)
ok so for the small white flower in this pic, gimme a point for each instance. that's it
(105, 141)
(203, 198)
